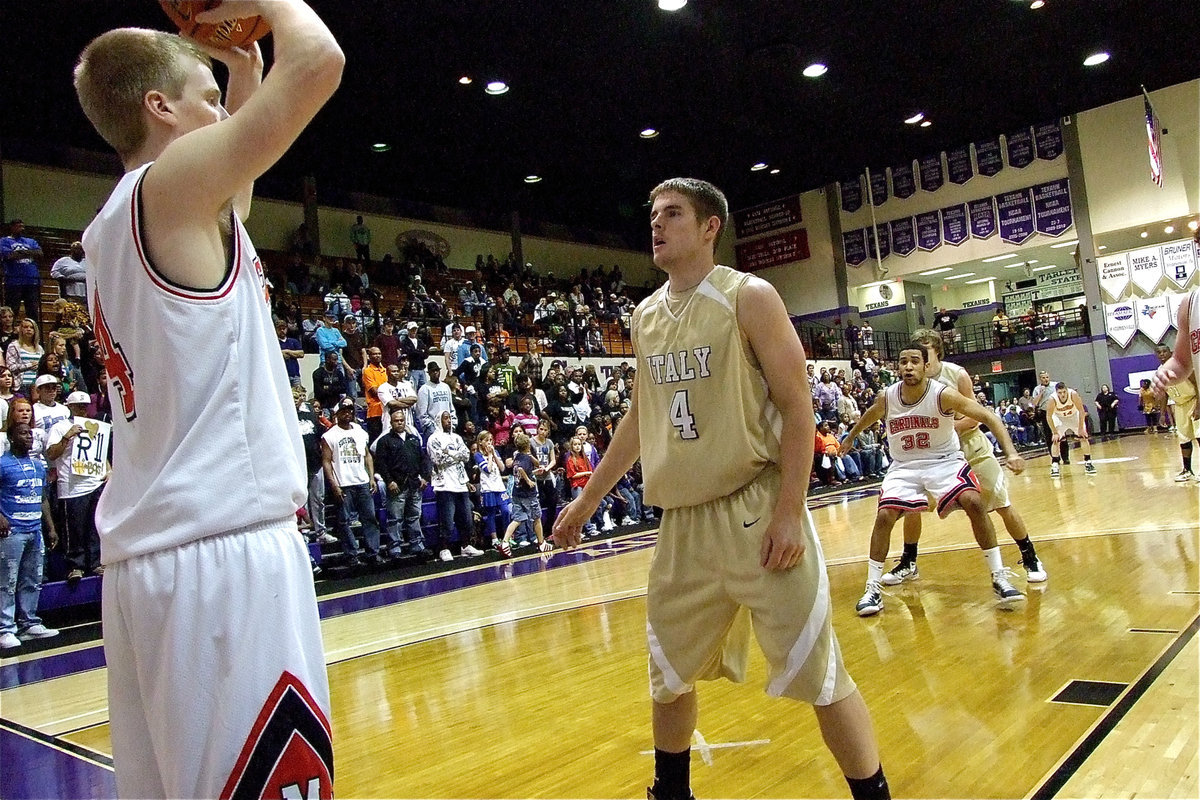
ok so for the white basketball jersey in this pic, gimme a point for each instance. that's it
(1066, 410)
(1193, 331)
(921, 431)
(206, 429)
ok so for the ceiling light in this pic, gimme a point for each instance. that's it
(1021, 263)
(465, 80)
(937, 271)
(775, 171)
(533, 178)
(1043, 269)
(958, 277)
(1000, 258)
(1102, 247)
(1193, 225)
(1095, 59)
(915, 118)
(1143, 234)
(926, 124)
(671, 5)
(1064, 244)
(979, 280)
(815, 70)
(1036, 4)
(648, 133)
(496, 87)
(759, 167)
(1169, 229)
(381, 147)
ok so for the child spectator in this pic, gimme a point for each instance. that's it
(579, 472)
(494, 501)
(525, 507)
(1148, 405)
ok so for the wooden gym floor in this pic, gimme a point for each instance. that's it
(527, 678)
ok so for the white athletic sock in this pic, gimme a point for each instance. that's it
(874, 571)
(993, 559)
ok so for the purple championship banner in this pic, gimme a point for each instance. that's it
(932, 176)
(852, 194)
(958, 166)
(772, 216)
(1048, 140)
(982, 214)
(854, 245)
(885, 242)
(904, 237)
(1020, 148)
(954, 224)
(771, 251)
(879, 188)
(929, 231)
(903, 183)
(1016, 215)
(987, 157)
(1052, 207)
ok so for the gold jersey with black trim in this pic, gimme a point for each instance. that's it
(706, 424)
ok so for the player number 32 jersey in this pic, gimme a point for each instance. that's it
(921, 431)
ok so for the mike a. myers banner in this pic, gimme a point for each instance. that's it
(1179, 262)
(1120, 322)
(1153, 317)
(1114, 274)
(1145, 269)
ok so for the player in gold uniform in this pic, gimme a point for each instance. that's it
(722, 419)
(1187, 428)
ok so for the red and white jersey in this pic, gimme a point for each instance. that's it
(207, 435)
(1066, 410)
(921, 431)
(1193, 331)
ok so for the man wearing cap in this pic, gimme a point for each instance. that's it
(464, 349)
(47, 410)
(468, 299)
(348, 473)
(74, 448)
(328, 338)
(432, 399)
(415, 350)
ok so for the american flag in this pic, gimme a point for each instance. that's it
(1154, 135)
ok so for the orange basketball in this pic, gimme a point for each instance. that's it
(230, 33)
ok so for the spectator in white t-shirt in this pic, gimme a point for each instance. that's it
(449, 455)
(71, 273)
(348, 477)
(74, 447)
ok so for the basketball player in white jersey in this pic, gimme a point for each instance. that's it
(1184, 362)
(1067, 418)
(927, 462)
(978, 451)
(216, 672)
(722, 419)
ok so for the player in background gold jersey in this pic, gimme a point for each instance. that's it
(722, 419)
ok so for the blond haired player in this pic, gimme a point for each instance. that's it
(721, 398)
(1183, 394)
(978, 451)
(1184, 363)
(216, 673)
(1067, 418)
(927, 462)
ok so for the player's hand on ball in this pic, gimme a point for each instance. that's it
(568, 526)
(1016, 464)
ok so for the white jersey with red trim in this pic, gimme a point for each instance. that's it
(921, 431)
(1193, 332)
(208, 439)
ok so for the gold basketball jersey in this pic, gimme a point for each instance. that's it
(706, 425)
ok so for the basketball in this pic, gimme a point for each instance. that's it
(223, 35)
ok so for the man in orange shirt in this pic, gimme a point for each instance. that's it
(374, 374)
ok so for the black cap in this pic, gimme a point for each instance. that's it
(433, 366)
(345, 402)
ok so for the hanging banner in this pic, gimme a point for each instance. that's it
(903, 183)
(773, 250)
(1179, 261)
(854, 245)
(1016, 215)
(852, 194)
(1052, 207)
(1153, 317)
(954, 224)
(1173, 302)
(929, 231)
(879, 188)
(958, 165)
(885, 242)
(1020, 148)
(773, 216)
(1048, 140)
(1114, 274)
(1120, 322)
(904, 237)
(932, 176)
(1145, 269)
(987, 157)
(983, 218)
